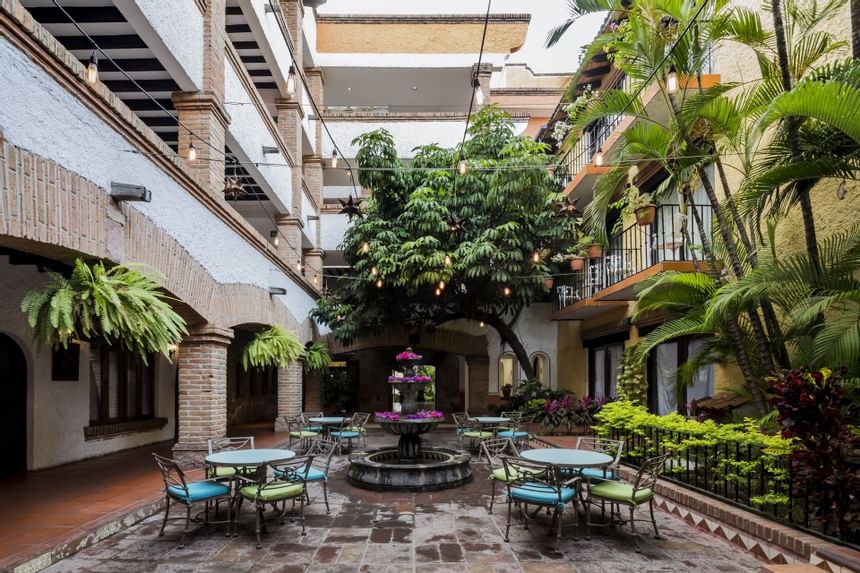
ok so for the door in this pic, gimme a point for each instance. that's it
(603, 369)
(13, 407)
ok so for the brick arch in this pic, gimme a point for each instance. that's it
(442, 340)
(57, 213)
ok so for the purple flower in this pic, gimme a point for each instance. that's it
(387, 416)
(407, 355)
(426, 415)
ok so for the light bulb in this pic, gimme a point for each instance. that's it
(438, 292)
(672, 81)
(365, 247)
(299, 266)
(192, 152)
(447, 260)
(316, 280)
(507, 291)
(536, 257)
(379, 283)
(461, 167)
(93, 69)
(479, 93)
(276, 240)
(291, 80)
(441, 285)
(374, 271)
(334, 159)
(598, 158)
(481, 324)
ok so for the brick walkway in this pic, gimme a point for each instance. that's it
(448, 532)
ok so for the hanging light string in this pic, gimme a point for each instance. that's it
(461, 163)
(607, 129)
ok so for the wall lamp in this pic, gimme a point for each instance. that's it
(128, 192)
(313, 217)
(277, 290)
(270, 150)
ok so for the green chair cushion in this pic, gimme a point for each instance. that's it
(621, 492)
(499, 473)
(358, 429)
(227, 471)
(274, 492)
(198, 491)
(541, 494)
(474, 434)
(303, 434)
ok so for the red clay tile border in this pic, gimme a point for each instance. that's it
(768, 540)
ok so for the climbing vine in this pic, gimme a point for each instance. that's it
(631, 385)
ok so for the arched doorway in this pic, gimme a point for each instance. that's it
(13, 407)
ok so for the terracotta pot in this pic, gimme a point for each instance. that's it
(549, 282)
(645, 215)
(594, 251)
(577, 263)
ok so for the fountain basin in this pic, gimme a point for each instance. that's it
(382, 469)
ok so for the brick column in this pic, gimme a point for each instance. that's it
(289, 393)
(314, 268)
(294, 15)
(485, 74)
(312, 169)
(315, 84)
(202, 391)
(205, 115)
(312, 393)
(479, 384)
(290, 249)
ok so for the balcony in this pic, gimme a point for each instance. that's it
(635, 253)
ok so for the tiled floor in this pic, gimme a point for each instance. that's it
(44, 508)
(447, 531)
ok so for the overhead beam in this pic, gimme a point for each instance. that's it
(121, 42)
(125, 86)
(81, 14)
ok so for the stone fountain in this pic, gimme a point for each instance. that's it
(410, 467)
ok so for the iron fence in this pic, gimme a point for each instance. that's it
(744, 475)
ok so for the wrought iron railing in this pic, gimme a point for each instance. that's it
(632, 250)
(746, 476)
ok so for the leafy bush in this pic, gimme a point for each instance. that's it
(273, 346)
(567, 412)
(816, 411)
(631, 385)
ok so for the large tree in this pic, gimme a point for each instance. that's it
(435, 245)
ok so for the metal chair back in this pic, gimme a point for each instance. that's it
(461, 419)
(294, 423)
(359, 420)
(322, 450)
(495, 448)
(171, 473)
(276, 473)
(606, 446)
(532, 476)
(225, 444)
(649, 472)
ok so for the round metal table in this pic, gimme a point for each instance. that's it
(247, 458)
(569, 457)
(491, 420)
(328, 420)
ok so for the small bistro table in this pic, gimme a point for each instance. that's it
(491, 422)
(327, 422)
(569, 458)
(247, 458)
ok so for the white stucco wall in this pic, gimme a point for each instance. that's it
(55, 434)
(332, 229)
(247, 134)
(39, 115)
(310, 228)
(408, 134)
(173, 29)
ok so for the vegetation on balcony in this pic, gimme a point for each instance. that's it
(435, 246)
(118, 306)
(784, 133)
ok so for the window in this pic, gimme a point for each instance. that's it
(122, 387)
(664, 395)
(507, 370)
(603, 364)
(540, 364)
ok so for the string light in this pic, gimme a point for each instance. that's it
(507, 291)
(365, 247)
(447, 260)
(291, 80)
(93, 69)
(374, 271)
(536, 257)
(299, 266)
(598, 158)
(316, 279)
(192, 152)
(481, 324)
(334, 159)
(379, 283)
(276, 239)
(441, 285)
(462, 167)
(672, 81)
(438, 292)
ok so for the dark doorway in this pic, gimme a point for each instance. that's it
(13, 407)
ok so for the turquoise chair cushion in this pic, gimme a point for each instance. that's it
(541, 494)
(621, 492)
(512, 434)
(346, 435)
(476, 435)
(274, 492)
(198, 491)
(598, 474)
(313, 475)
(312, 428)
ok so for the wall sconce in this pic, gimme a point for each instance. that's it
(313, 217)
(270, 150)
(127, 192)
(273, 290)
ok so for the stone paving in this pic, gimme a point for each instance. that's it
(449, 531)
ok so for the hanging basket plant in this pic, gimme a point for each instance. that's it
(273, 346)
(120, 306)
(645, 215)
(577, 263)
(317, 357)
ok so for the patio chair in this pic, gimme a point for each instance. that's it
(297, 431)
(287, 483)
(461, 419)
(309, 426)
(607, 446)
(518, 430)
(321, 451)
(633, 495)
(542, 485)
(178, 490)
(359, 424)
(493, 450)
(476, 433)
(227, 444)
(344, 432)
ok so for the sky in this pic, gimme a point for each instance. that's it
(546, 14)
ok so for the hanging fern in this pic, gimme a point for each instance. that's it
(273, 346)
(317, 357)
(117, 306)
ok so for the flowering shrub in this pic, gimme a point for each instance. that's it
(408, 355)
(419, 415)
(567, 412)
(387, 416)
(411, 378)
(818, 414)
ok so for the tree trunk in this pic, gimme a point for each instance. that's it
(855, 28)
(508, 335)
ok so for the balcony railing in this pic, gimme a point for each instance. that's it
(633, 250)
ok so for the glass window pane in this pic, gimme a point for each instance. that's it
(507, 370)
(667, 365)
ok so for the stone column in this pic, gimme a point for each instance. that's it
(290, 248)
(479, 384)
(315, 84)
(290, 116)
(312, 169)
(314, 268)
(289, 393)
(202, 391)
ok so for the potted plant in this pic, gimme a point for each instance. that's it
(639, 206)
(317, 357)
(273, 346)
(548, 282)
(589, 246)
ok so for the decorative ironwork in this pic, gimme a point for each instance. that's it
(233, 189)
(351, 207)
